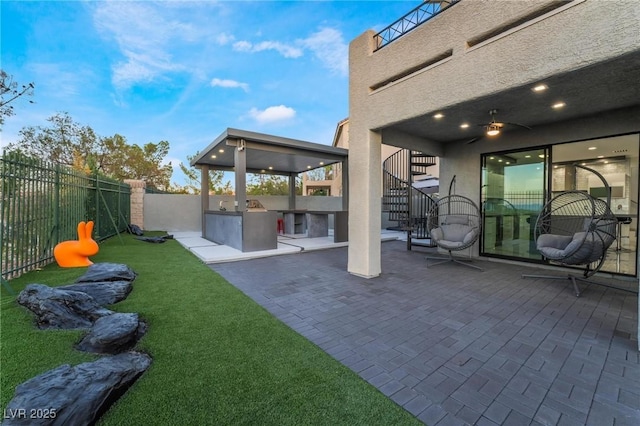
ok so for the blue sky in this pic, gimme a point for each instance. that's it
(184, 71)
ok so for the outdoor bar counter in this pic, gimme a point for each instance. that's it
(316, 223)
(244, 231)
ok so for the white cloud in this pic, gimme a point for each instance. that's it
(329, 47)
(144, 37)
(272, 114)
(217, 82)
(285, 50)
(224, 39)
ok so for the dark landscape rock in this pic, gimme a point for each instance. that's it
(107, 272)
(75, 395)
(113, 334)
(104, 292)
(61, 309)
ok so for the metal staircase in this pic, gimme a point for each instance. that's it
(405, 203)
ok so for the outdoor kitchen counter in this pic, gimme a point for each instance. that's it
(316, 223)
(245, 230)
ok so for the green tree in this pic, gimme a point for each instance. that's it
(66, 142)
(9, 92)
(264, 184)
(216, 178)
(144, 162)
(321, 173)
(63, 141)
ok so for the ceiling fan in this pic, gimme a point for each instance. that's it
(493, 128)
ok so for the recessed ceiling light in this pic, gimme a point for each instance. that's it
(308, 167)
(508, 162)
(499, 161)
(527, 156)
(540, 88)
(583, 164)
(492, 158)
(221, 150)
(591, 148)
(558, 105)
(270, 167)
(438, 115)
(600, 156)
(322, 163)
(214, 156)
(464, 126)
(540, 155)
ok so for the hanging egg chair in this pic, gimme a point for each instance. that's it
(454, 225)
(576, 229)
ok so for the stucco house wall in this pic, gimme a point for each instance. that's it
(573, 36)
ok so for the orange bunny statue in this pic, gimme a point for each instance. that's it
(75, 254)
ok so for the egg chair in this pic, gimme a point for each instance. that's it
(576, 229)
(454, 225)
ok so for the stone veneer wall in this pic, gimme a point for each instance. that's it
(138, 188)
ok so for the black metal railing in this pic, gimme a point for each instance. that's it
(411, 20)
(406, 204)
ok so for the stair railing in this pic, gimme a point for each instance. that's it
(406, 204)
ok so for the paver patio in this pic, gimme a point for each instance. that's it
(456, 346)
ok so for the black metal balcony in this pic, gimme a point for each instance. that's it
(411, 20)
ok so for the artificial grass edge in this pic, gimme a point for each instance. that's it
(218, 356)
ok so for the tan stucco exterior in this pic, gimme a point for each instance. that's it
(568, 38)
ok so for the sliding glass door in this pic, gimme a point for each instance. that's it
(514, 186)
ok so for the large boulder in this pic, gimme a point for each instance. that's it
(61, 309)
(74, 395)
(107, 272)
(113, 334)
(104, 292)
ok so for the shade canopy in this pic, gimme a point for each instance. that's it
(268, 153)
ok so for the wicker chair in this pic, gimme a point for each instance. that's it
(454, 225)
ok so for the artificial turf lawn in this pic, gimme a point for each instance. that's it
(218, 357)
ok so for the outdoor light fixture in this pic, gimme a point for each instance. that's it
(438, 115)
(558, 105)
(540, 88)
(464, 126)
(493, 130)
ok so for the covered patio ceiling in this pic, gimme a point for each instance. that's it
(586, 92)
(268, 153)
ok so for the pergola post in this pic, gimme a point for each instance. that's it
(204, 194)
(345, 185)
(292, 191)
(240, 162)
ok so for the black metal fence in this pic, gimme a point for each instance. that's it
(41, 205)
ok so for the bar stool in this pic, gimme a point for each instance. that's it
(280, 226)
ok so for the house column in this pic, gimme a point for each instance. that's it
(365, 166)
(365, 217)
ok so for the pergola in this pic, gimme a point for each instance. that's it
(243, 151)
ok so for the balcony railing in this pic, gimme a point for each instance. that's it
(411, 20)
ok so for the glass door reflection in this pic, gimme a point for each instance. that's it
(513, 193)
